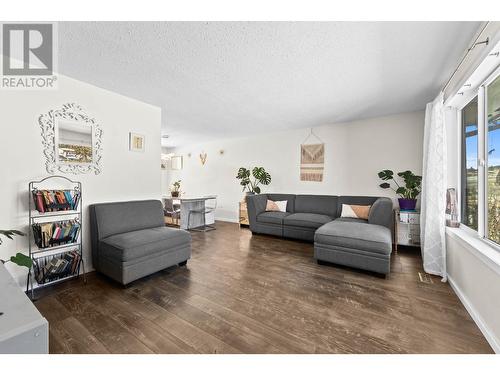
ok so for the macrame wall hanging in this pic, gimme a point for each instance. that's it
(312, 159)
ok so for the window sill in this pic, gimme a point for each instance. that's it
(478, 247)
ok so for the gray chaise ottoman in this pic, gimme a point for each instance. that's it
(354, 244)
(130, 240)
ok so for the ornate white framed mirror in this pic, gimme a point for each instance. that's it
(72, 140)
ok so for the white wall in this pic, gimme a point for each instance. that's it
(125, 175)
(354, 153)
(476, 280)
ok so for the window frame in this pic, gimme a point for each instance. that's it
(463, 180)
(482, 159)
(489, 80)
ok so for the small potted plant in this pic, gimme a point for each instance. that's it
(19, 259)
(408, 193)
(176, 189)
(260, 176)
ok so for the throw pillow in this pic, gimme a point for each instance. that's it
(276, 206)
(355, 211)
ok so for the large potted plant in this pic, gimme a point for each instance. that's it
(408, 192)
(19, 259)
(260, 176)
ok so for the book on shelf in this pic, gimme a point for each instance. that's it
(56, 233)
(55, 200)
(57, 267)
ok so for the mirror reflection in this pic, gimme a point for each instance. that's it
(74, 142)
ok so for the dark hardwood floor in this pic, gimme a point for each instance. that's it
(257, 294)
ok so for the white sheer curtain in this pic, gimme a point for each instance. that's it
(433, 197)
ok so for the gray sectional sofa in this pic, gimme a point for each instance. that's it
(364, 244)
(130, 240)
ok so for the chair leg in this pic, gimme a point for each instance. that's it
(204, 227)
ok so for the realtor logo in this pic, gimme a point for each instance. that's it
(28, 55)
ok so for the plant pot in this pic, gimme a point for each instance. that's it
(406, 204)
(174, 194)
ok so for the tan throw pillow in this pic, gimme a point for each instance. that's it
(276, 206)
(354, 211)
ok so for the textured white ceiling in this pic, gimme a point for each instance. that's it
(227, 79)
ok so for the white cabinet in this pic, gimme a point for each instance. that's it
(23, 329)
(406, 228)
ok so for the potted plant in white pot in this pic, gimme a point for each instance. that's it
(260, 176)
(176, 189)
(408, 192)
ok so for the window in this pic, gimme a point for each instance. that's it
(480, 176)
(492, 92)
(469, 164)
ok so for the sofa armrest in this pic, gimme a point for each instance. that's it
(381, 212)
(256, 204)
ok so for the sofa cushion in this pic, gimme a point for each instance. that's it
(272, 217)
(121, 217)
(290, 198)
(355, 211)
(128, 246)
(353, 235)
(276, 205)
(357, 200)
(351, 220)
(317, 204)
(306, 220)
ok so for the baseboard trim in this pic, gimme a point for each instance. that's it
(227, 220)
(483, 327)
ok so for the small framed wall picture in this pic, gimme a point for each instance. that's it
(137, 142)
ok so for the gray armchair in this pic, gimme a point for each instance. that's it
(130, 240)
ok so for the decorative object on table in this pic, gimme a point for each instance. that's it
(406, 228)
(203, 158)
(136, 142)
(176, 162)
(55, 222)
(19, 259)
(260, 176)
(176, 189)
(312, 159)
(72, 140)
(451, 209)
(408, 193)
(221, 152)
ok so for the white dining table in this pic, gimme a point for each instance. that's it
(193, 203)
